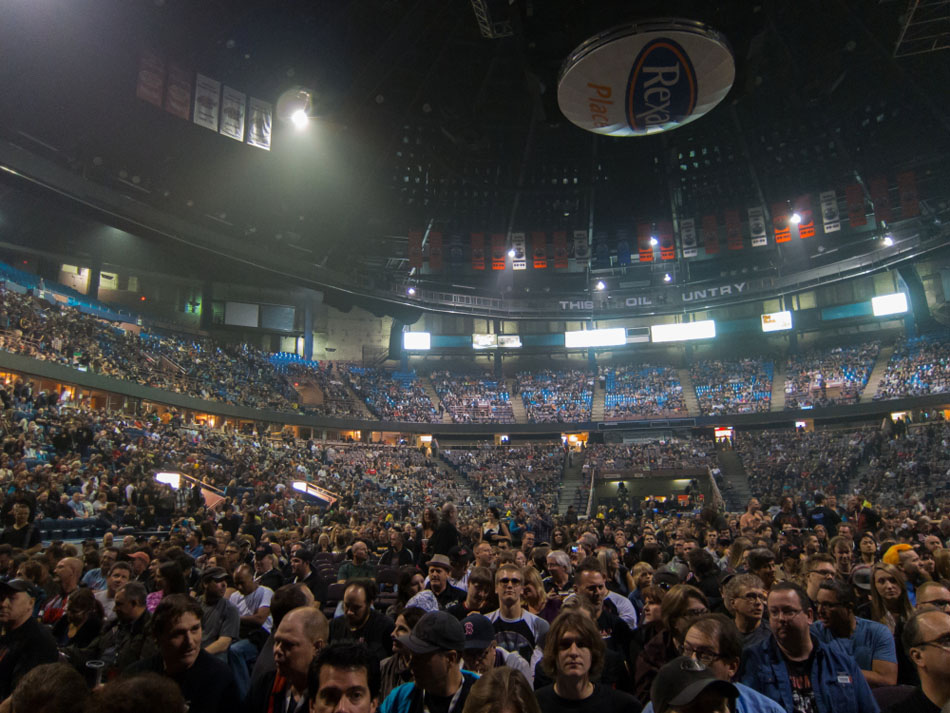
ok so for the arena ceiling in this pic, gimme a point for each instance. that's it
(422, 121)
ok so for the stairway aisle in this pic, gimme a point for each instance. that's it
(517, 405)
(360, 403)
(453, 473)
(598, 398)
(877, 373)
(434, 397)
(689, 392)
(778, 385)
(573, 478)
(735, 482)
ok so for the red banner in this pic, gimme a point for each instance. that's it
(178, 91)
(415, 249)
(435, 251)
(498, 252)
(710, 235)
(151, 79)
(539, 250)
(643, 241)
(907, 190)
(667, 244)
(560, 249)
(478, 251)
(733, 230)
(780, 225)
(881, 199)
(854, 194)
(806, 226)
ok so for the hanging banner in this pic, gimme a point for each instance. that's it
(539, 250)
(907, 191)
(733, 230)
(581, 246)
(456, 254)
(178, 91)
(643, 242)
(710, 235)
(830, 218)
(880, 197)
(498, 252)
(232, 113)
(780, 225)
(688, 237)
(806, 226)
(435, 250)
(854, 195)
(259, 117)
(559, 239)
(667, 244)
(757, 227)
(150, 83)
(623, 248)
(601, 251)
(478, 251)
(415, 249)
(519, 260)
(207, 102)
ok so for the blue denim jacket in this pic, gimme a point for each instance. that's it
(837, 681)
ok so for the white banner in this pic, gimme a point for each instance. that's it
(688, 237)
(757, 227)
(232, 113)
(581, 246)
(830, 217)
(259, 118)
(207, 102)
(518, 260)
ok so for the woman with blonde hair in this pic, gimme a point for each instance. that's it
(890, 604)
(618, 576)
(536, 599)
(501, 690)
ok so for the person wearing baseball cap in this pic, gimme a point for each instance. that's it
(440, 686)
(685, 684)
(482, 652)
(25, 643)
(440, 569)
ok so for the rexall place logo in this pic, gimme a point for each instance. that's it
(662, 87)
(641, 79)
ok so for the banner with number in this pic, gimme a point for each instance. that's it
(710, 235)
(435, 250)
(519, 261)
(581, 246)
(207, 102)
(688, 237)
(601, 251)
(623, 247)
(232, 113)
(880, 197)
(854, 194)
(643, 242)
(757, 227)
(178, 91)
(150, 83)
(456, 254)
(733, 230)
(498, 252)
(539, 250)
(559, 240)
(780, 225)
(415, 248)
(260, 115)
(667, 243)
(907, 192)
(806, 226)
(478, 251)
(830, 217)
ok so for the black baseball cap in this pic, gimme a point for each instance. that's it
(216, 573)
(479, 632)
(681, 681)
(435, 631)
(19, 585)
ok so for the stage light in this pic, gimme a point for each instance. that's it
(411, 291)
(300, 119)
(795, 218)
(653, 241)
(511, 253)
(667, 277)
(601, 285)
(888, 241)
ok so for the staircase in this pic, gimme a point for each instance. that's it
(735, 483)
(689, 392)
(598, 401)
(573, 478)
(360, 403)
(874, 380)
(453, 473)
(434, 397)
(778, 385)
(517, 405)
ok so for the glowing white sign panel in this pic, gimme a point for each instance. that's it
(683, 332)
(509, 341)
(172, 479)
(776, 321)
(418, 341)
(595, 338)
(484, 341)
(889, 304)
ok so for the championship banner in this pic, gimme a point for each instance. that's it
(643, 242)
(733, 230)
(456, 254)
(907, 191)
(581, 246)
(435, 250)
(881, 199)
(178, 91)
(830, 218)
(415, 249)
(150, 83)
(498, 252)
(806, 226)
(478, 251)
(688, 237)
(854, 195)
(539, 250)
(207, 102)
(259, 117)
(710, 235)
(232, 113)
(560, 249)
(601, 251)
(757, 227)
(667, 243)
(519, 259)
(780, 226)
(623, 248)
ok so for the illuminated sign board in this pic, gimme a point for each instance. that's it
(776, 321)
(683, 332)
(418, 341)
(595, 338)
(484, 341)
(509, 341)
(889, 304)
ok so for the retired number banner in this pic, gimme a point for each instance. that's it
(498, 251)
(478, 251)
(733, 230)
(560, 249)
(518, 260)
(539, 250)
(710, 234)
(780, 226)
(830, 217)
(688, 237)
(757, 227)
(643, 242)
(435, 250)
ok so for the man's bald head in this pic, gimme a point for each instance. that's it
(310, 621)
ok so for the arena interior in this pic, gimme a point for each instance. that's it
(434, 356)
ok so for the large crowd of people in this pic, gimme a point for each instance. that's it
(732, 386)
(473, 398)
(557, 396)
(393, 396)
(918, 366)
(642, 391)
(827, 377)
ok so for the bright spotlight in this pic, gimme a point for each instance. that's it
(601, 285)
(795, 218)
(300, 119)
(411, 291)
(667, 277)
(511, 253)
(653, 241)
(888, 241)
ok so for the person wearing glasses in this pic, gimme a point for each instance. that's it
(714, 643)
(517, 630)
(818, 568)
(796, 669)
(934, 594)
(870, 643)
(926, 639)
(744, 597)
